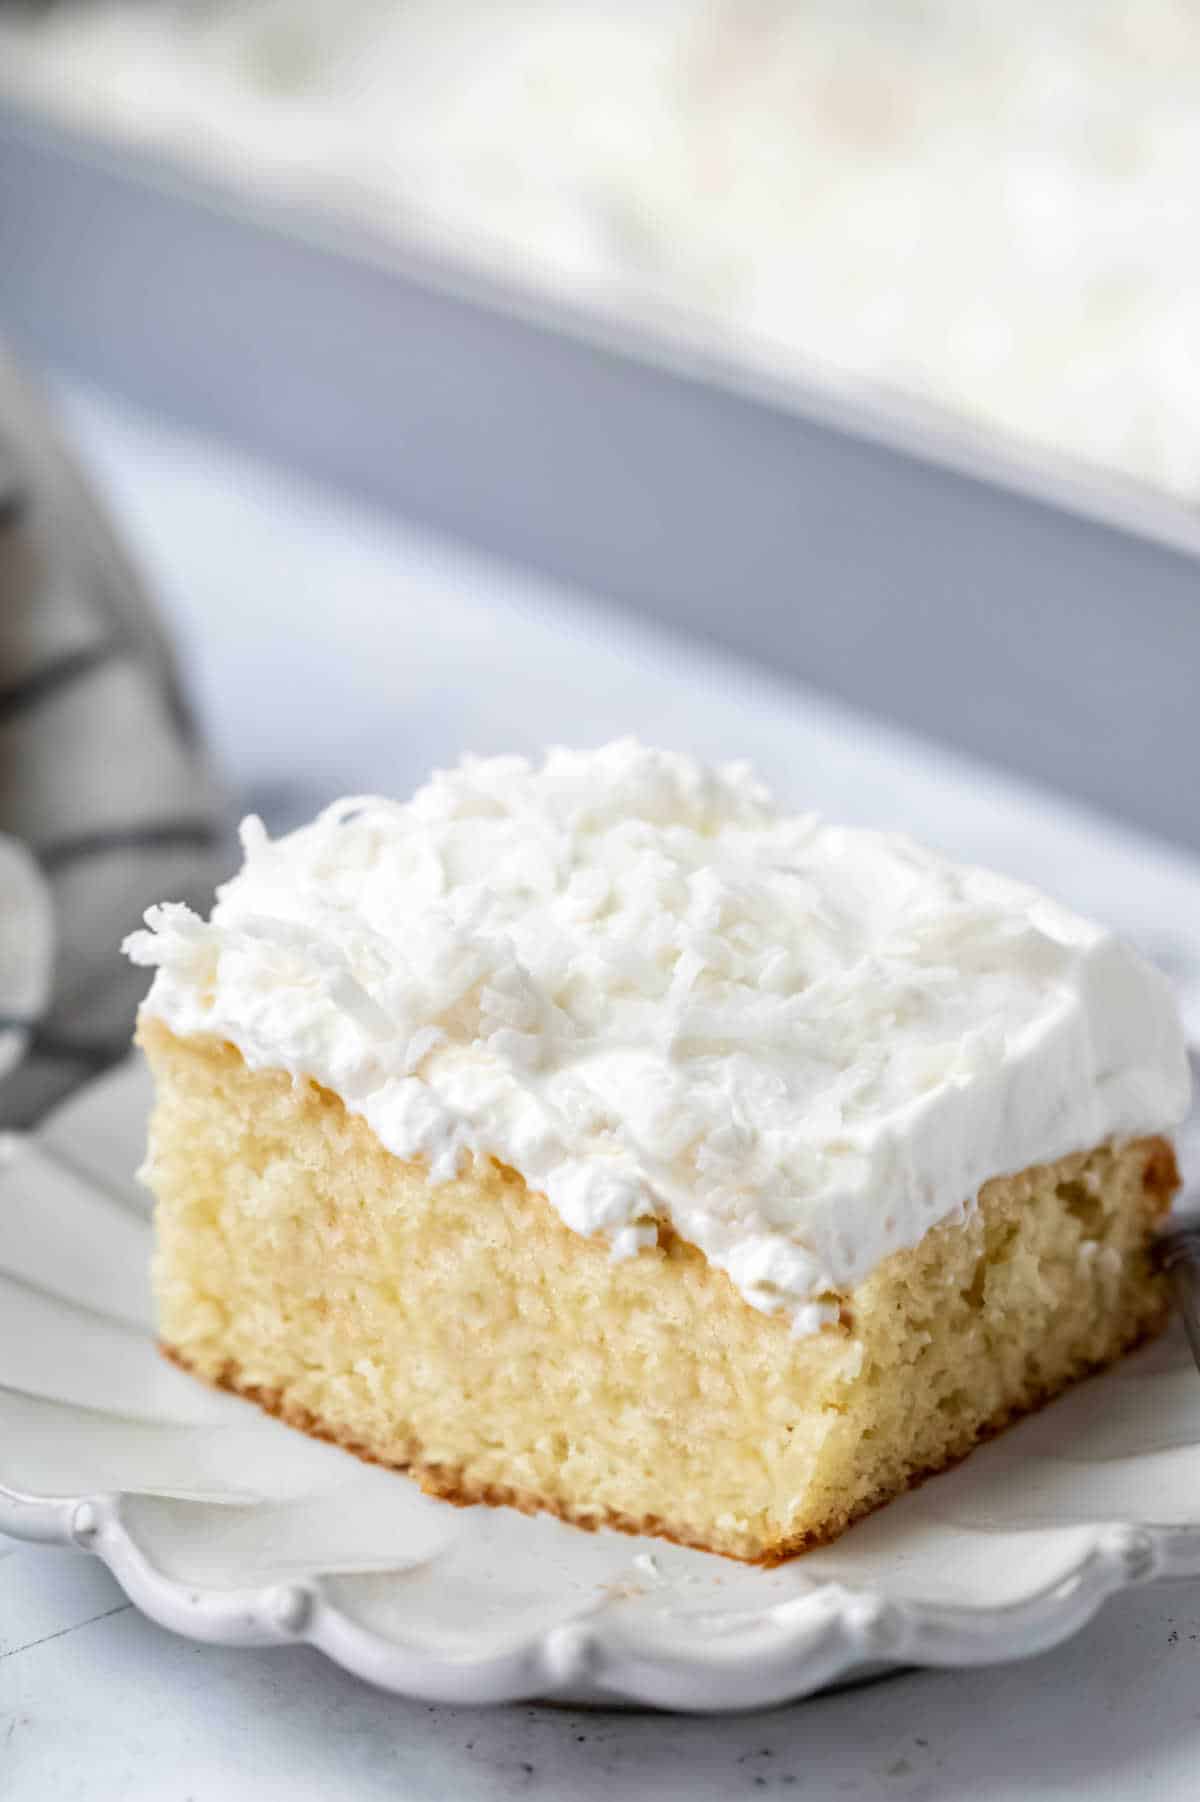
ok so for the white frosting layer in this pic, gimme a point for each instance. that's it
(632, 980)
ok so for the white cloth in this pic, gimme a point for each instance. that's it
(26, 949)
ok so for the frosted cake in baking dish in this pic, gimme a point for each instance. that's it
(591, 1136)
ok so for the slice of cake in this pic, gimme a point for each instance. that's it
(593, 1137)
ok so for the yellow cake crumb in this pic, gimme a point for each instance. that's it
(463, 1332)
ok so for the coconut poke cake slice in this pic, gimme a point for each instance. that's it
(593, 1136)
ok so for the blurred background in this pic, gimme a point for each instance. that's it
(993, 208)
(812, 382)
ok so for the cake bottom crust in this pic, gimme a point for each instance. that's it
(454, 1486)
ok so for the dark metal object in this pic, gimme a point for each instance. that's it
(1177, 1251)
(834, 548)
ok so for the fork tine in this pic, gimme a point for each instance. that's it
(1176, 1250)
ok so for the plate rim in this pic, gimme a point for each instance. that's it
(793, 1648)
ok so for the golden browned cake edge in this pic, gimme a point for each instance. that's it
(449, 1486)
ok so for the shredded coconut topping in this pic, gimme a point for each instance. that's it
(634, 981)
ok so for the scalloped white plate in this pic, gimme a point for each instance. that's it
(224, 1525)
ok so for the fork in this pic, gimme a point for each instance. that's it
(1176, 1251)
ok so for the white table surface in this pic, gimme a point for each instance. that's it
(333, 651)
